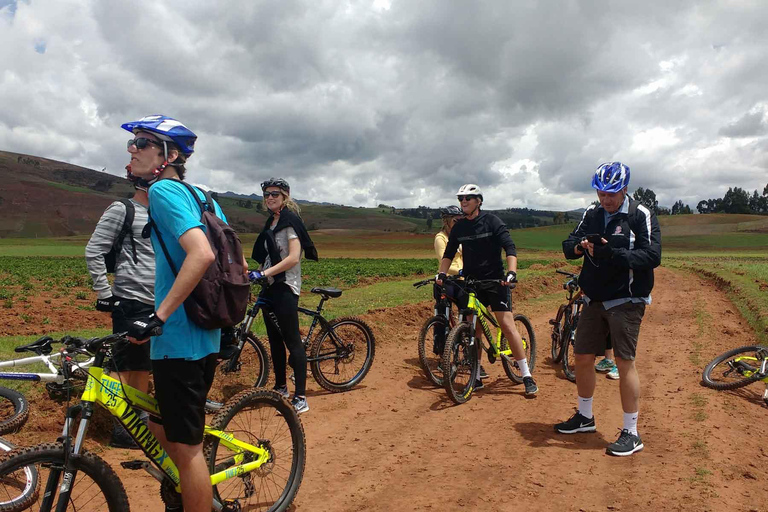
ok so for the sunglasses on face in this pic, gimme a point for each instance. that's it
(466, 198)
(142, 142)
(273, 193)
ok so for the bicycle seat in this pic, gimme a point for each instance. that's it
(41, 346)
(328, 292)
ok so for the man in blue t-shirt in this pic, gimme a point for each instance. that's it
(184, 355)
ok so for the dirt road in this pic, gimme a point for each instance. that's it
(397, 443)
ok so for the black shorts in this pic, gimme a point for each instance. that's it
(181, 387)
(495, 296)
(620, 325)
(127, 356)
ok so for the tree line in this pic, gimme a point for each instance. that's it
(736, 200)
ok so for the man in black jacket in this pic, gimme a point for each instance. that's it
(621, 244)
(482, 236)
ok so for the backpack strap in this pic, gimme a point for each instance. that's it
(127, 229)
(151, 225)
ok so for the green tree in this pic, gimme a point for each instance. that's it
(736, 200)
(648, 198)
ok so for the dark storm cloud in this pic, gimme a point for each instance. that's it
(402, 103)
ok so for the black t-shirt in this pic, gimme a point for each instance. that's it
(481, 240)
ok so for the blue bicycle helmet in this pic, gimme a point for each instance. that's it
(167, 129)
(611, 177)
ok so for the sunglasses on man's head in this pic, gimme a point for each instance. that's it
(273, 193)
(466, 198)
(142, 142)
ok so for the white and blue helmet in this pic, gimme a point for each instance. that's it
(167, 129)
(611, 177)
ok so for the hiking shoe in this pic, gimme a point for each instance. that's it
(530, 386)
(479, 384)
(626, 444)
(614, 373)
(281, 390)
(122, 439)
(575, 424)
(483, 373)
(300, 404)
(605, 365)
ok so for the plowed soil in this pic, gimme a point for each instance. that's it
(397, 443)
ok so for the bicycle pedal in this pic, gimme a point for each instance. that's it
(133, 464)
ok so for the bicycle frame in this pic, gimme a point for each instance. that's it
(47, 360)
(111, 394)
(479, 312)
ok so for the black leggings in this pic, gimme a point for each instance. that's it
(283, 307)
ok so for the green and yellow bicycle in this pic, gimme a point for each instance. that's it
(460, 353)
(737, 368)
(254, 447)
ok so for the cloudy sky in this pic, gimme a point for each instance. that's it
(400, 102)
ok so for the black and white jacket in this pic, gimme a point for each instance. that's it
(635, 240)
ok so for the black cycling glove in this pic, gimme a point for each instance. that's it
(511, 279)
(146, 327)
(602, 252)
(441, 276)
(106, 305)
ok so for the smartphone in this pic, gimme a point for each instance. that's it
(594, 238)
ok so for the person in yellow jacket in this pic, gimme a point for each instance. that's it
(453, 291)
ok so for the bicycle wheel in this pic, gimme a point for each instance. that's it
(14, 410)
(459, 363)
(556, 352)
(340, 367)
(430, 362)
(25, 485)
(511, 368)
(95, 486)
(260, 418)
(569, 359)
(735, 368)
(249, 370)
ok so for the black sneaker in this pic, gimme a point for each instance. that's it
(483, 373)
(575, 424)
(626, 444)
(300, 404)
(479, 384)
(530, 386)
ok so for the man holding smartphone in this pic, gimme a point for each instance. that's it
(620, 241)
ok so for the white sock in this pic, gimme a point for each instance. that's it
(585, 407)
(630, 422)
(523, 365)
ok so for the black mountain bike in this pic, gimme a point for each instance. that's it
(564, 326)
(433, 334)
(339, 355)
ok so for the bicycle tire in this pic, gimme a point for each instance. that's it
(569, 359)
(525, 328)
(48, 459)
(260, 417)
(323, 345)
(556, 351)
(429, 361)
(14, 410)
(750, 351)
(460, 359)
(28, 486)
(249, 370)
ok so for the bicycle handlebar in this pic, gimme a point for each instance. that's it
(569, 274)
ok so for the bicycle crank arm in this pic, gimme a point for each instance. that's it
(134, 465)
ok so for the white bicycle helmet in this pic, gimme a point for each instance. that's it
(470, 189)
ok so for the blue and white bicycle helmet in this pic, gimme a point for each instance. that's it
(611, 177)
(167, 129)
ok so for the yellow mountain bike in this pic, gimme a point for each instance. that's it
(737, 368)
(255, 450)
(460, 353)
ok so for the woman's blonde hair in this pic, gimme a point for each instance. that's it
(446, 225)
(290, 203)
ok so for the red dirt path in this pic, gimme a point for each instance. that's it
(397, 443)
